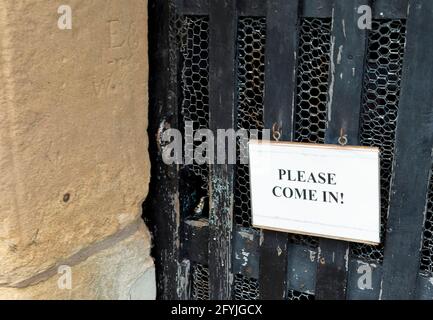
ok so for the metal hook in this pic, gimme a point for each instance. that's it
(276, 132)
(342, 140)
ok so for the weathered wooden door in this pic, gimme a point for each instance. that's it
(307, 66)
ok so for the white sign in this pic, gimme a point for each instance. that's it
(320, 190)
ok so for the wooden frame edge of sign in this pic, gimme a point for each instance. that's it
(314, 235)
(316, 146)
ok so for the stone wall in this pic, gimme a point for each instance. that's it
(74, 167)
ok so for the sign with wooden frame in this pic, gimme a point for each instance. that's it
(319, 190)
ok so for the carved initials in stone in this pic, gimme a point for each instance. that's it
(117, 39)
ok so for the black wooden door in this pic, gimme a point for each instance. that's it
(307, 67)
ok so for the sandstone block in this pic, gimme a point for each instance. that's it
(73, 145)
(121, 271)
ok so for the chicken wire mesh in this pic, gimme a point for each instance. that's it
(294, 295)
(378, 114)
(194, 51)
(251, 40)
(312, 90)
(246, 288)
(312, 80)
(200, 282)
(427, 246)
(380, 98)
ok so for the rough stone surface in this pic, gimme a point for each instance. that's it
(123, 271)
(74, 167)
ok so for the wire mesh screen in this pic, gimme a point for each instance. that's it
(246, 288)
(379, 110)
(312, 89)
(194, 48)
(312, 80)
(200, 282)
(251, 78)
(293, 295)
(427, 247)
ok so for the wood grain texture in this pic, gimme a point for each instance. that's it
(385, 9)
(280, 88)
(222, 25)
(382, 9)
(162, 207)
(348, 45)
(414, 142)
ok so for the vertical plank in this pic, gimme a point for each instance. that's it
(348, 45)
(413, 156)
(161, 208)
(332, 267)
(280, 88)
(385, 9)
(222, 26)
(317, 8)
(252, 8)
(192, 7)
